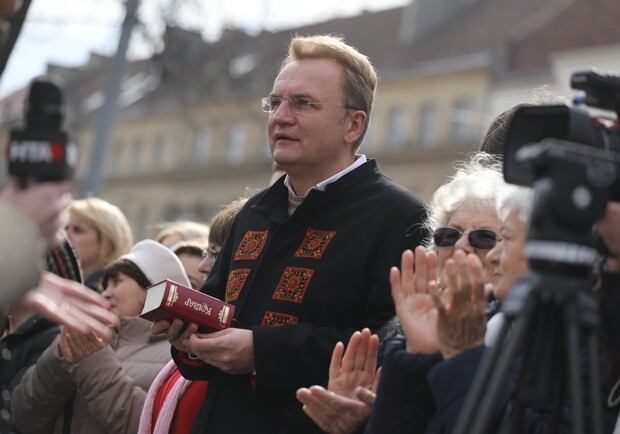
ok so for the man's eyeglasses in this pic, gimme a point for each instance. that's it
(299, 106)
(210, 253)
(478, 238)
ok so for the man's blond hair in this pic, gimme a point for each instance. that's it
(360, 77)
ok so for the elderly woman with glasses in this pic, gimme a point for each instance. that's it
(462, 217)
(462, 212)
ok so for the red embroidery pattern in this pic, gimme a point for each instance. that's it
(271, 319)
(293, 284)
(251, 246)
(314, 244)
(234, 285)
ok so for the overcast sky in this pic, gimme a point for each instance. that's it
(65, 31)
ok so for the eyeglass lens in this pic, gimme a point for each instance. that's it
(478, 238)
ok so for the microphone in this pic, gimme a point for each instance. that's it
(41, 151)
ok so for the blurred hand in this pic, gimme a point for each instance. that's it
(43, 204)
(414, 304)
(230, 350)
(461, 322)
(71, 304)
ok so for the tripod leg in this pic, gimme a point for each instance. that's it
(595, 385)
(574, 371)
(497, 382)
(480, 382)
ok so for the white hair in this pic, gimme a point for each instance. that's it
(476, 180)
(514, 198)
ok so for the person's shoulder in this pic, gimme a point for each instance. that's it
(394, 192)
(385, 183)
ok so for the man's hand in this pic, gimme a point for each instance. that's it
(43, 204)
(414, 304)
(176, 333)
(461, 323)
(71, 304)
(231, 350)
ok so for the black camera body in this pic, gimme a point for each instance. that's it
(531, 125)
(41, 151)
(572, 161)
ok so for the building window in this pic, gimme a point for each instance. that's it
(397, 137)
(143, 223)
(202, 146)
(461, 121)
(428, 125)
(159, 152)
(368, 143)
(236, 145)
(138, 155)
(115, 158)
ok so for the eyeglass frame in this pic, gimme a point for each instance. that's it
(472, 239)
(294, 104)
(210, 253)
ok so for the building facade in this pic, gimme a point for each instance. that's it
(190, 135)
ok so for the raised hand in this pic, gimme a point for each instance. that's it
(43, 204)
(461, 323)
(357, 367)
(414, 303)
(71, 304)
(333, 413)
(76, 346)
(338, 410)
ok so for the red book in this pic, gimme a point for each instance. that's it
(168, 300)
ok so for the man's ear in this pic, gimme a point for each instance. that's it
(356, 121)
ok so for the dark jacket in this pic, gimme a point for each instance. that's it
(20, 350)
(301, 284)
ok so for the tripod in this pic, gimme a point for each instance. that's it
(544, 316)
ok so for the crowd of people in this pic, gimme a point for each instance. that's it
(358, 307)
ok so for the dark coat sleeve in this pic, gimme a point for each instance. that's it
(449, 382)
(404, 402)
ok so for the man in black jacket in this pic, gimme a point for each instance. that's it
(308, 259)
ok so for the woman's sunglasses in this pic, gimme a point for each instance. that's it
(478, 239)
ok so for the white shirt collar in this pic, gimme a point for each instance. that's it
(360, 159)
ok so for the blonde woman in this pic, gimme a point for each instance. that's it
(100, 233)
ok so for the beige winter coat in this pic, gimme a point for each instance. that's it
(109, 386)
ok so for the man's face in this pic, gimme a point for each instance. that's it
(319, 140)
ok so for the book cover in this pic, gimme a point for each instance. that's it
(168, 300)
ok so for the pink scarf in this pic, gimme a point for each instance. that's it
(162, 426)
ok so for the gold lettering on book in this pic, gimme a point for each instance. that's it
(223, 315)
(200, 307)
(173, 296)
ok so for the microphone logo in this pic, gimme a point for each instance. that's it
(41, 151)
